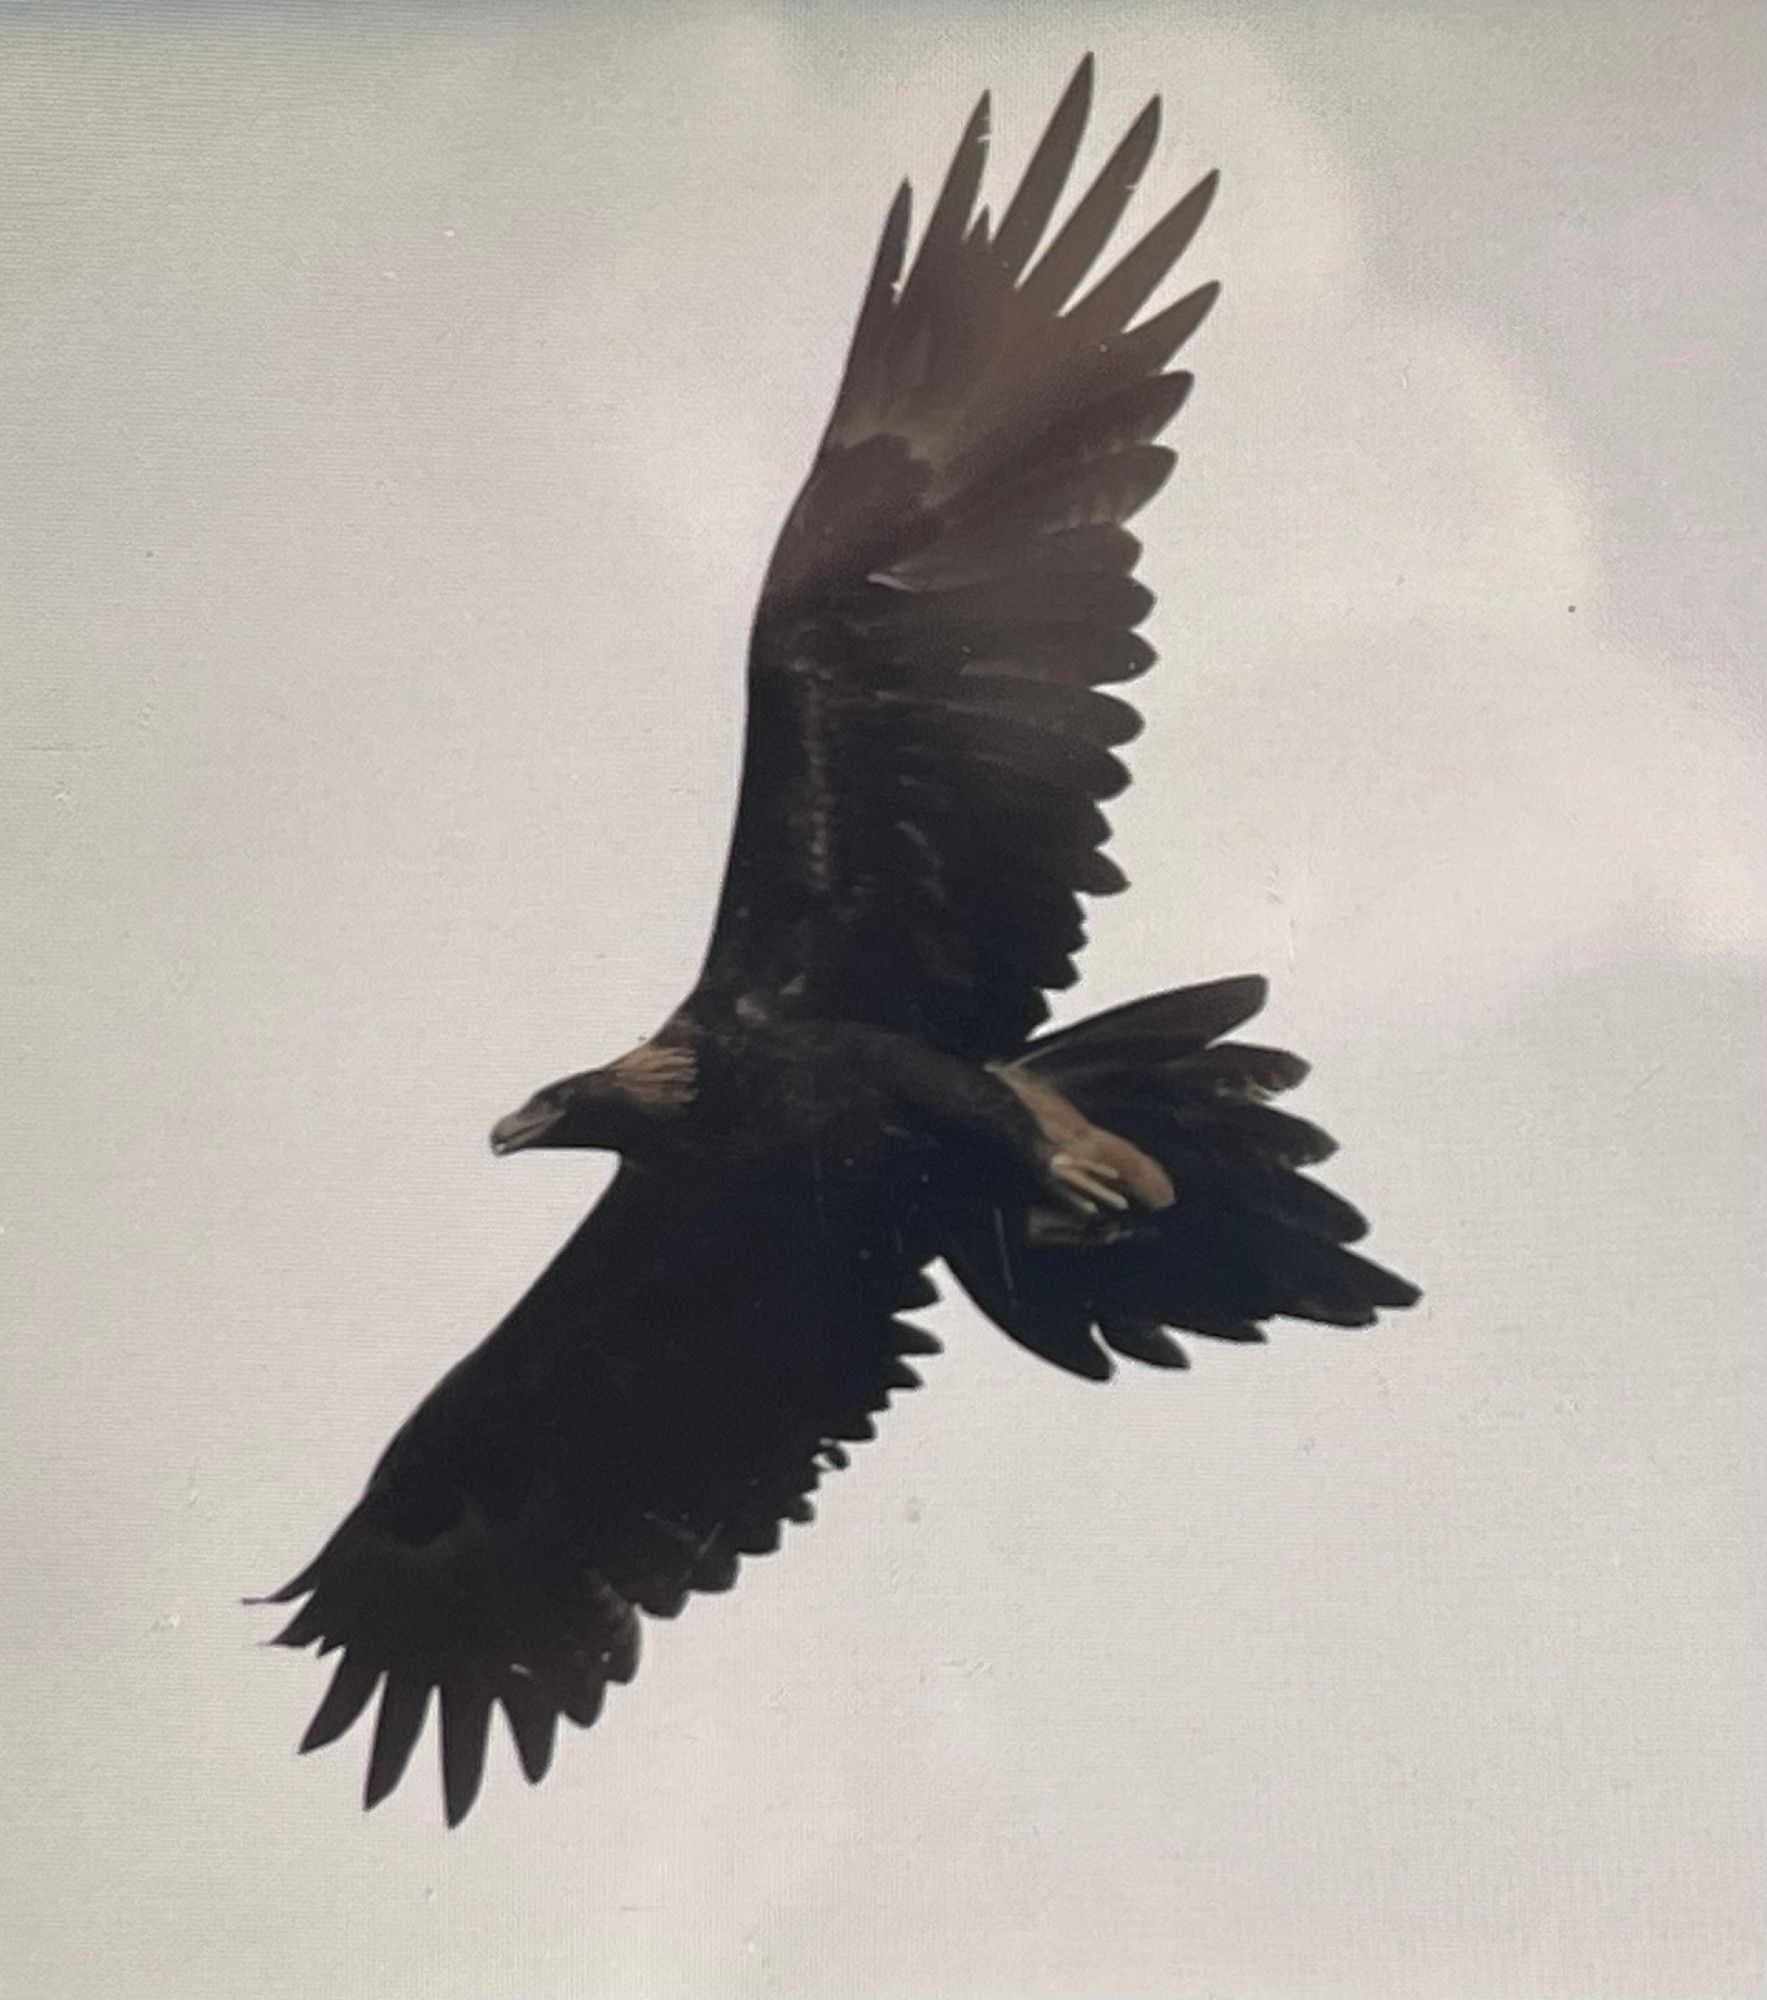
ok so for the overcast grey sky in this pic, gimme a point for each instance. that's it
(396, 408)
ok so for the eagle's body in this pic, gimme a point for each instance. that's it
(869, 1109)
(856, 1087)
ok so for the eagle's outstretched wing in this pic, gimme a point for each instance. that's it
(641, 1420)
(927, 745)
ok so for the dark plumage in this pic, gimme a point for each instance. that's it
(852, 1090)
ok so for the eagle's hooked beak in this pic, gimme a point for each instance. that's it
(527, 1127)
(573, 1112)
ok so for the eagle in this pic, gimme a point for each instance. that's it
(860, 1087)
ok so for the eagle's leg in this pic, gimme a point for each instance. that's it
(1087, 1173)
(1094, 1173)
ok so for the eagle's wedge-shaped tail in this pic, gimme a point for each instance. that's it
(1249, 1235)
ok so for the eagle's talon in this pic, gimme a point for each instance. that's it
(1085, 1185)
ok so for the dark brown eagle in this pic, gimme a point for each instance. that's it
(856, 1089)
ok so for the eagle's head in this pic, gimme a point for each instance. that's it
(604, 1110)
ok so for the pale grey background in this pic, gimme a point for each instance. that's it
(397, 408)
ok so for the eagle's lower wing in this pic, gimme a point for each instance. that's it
(663, 1399)
(927, 746)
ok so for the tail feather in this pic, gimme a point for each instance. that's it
(1178, 1022)
(1237, 1069)
(1220, 1127)
(1248, 1239)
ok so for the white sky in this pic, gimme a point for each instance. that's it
(396, 409)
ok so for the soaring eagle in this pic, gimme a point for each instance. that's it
(856, 1088)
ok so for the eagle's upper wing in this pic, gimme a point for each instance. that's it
(926, 744)
(642, 1419)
